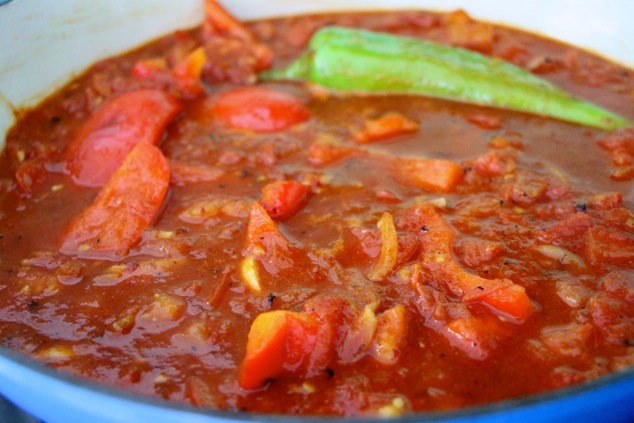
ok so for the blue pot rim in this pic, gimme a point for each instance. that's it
(574, 395)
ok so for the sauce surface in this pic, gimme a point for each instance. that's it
(461, 256)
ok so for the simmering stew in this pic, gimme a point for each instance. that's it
(173, 225)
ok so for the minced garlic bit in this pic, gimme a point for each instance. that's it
(57, 187)
(55, 352)
(438, 202)
(309, 388)
(562, 255)
(118, 273)
(250, 274)
(165, 308)
(124, 324)
(162, 378)
(164, 234)
(440, 257)
(395, 409)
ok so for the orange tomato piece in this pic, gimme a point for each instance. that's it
(278, 341)
(258, 109)
(219, 22)
(111, 133)
(437, 239)
(263, 235)
(283, 199)
(386, 126)
(433, 175)
(124, 208)
(187, 73)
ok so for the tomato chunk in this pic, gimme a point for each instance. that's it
(611, 246)
(187, 73)
(265, 242)
(258, 109)
(112, 132)
(303, 344)
(502, 296)
(219, 22)
(124, 208)
(278, 340)
(262, 233)
(282, 199)
(476, 336)
(434, 175)
(387, 126)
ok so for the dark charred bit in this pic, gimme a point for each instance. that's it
(271, 298)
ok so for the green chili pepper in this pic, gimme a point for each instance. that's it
(361, 61)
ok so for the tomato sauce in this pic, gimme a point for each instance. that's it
(309, 253)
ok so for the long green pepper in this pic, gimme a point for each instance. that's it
(356, 60)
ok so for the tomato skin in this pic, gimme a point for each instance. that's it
(282, 199)
(112, 132)
(258, 109)
(433, 175)
(279, 340)
(123, 209)
(187, 73)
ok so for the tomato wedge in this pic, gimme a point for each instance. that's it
(282, 199)
(124, 208)
(278, 340)
(110, 134)
(258, 109)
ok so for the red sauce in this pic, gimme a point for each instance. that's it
(396, 254)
